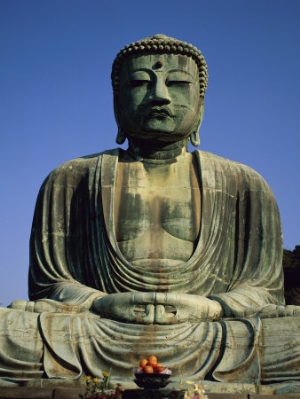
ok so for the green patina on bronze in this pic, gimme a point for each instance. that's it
(155, 250)
(159, 44)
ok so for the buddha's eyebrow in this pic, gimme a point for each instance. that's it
(150, 71)
(181, 71)
(140, 69)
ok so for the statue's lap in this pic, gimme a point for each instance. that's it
(185, 346)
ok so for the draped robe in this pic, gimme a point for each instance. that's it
(237, 258)
(74, 259)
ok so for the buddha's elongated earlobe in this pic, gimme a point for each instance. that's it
(121, 136)
(195, 138)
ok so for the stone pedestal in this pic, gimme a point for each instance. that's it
(69, 389)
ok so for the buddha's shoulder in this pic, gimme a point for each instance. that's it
(237, 170)
(79, 168)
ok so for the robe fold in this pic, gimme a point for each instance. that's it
(75, 258)
(74, 254)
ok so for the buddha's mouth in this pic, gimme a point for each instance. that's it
(159, 113)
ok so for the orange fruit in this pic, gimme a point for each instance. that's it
(148, 369)
(143, 362)
(152, 360)
(158, 368)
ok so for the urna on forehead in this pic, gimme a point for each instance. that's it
(159, 44)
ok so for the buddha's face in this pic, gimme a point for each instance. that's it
(159, 97)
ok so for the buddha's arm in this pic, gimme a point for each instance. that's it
(60, 261)
(74, 293)
(71, 293)
(257, 278)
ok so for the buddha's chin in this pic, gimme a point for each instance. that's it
(160, 124)
(157, 127)
(156, 136)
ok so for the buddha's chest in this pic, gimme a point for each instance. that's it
(157, 201)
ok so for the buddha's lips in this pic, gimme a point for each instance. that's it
(159, 113)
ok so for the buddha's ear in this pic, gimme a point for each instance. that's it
(121, 135)
(195, 137)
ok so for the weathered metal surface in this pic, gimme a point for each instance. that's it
(155, 250)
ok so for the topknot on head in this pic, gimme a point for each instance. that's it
(159, 44)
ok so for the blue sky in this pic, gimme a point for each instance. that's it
(56, 98)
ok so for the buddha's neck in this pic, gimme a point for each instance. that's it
(156, 152)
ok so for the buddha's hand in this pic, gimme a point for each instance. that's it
(157, 308)
(132, 307)
(178, 308)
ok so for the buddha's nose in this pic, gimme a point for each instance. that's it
(160, 92)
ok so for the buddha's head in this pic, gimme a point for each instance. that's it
(159, 85)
